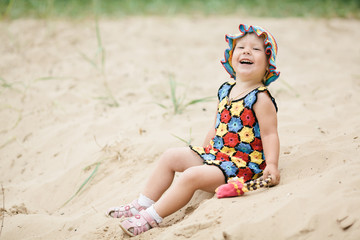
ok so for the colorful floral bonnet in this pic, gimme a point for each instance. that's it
(270, 49)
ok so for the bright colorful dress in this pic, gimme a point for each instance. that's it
(236, 148)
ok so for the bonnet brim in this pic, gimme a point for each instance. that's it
(271, 49)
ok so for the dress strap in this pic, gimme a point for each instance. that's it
(224, 90)
(265, 89)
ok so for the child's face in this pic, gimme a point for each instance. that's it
(249, 60)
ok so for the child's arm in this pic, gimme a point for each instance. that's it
(266, 114)
(211, 134)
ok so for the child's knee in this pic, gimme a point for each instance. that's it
(179, 159)
(168, 157)
(168, 154)
(190, 176)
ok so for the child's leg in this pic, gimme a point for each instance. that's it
(204, 177)
(173, 160)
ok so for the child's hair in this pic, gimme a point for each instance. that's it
(270, 51)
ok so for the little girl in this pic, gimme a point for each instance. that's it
(244, 134)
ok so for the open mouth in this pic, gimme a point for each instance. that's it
(246, 62)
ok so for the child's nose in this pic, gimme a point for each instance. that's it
(246, 51)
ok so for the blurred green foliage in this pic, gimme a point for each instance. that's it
(118, 8)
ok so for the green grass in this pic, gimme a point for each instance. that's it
(178, 103)
(10, 9)
(87, 180)
(186, 141)
(4, 83)
(98, 62)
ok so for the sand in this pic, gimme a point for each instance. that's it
(59, 120)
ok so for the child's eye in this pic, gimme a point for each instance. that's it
(240, 47)
(257, 49)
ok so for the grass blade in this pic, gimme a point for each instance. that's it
(174, 99)
(8, 142)
(101, 50)
(181, 139)
(187, 142)
(289, 87)
(205, 99)
(161, 105)
(92, 175)
(4, 83)
(178, 102)
(89, 60)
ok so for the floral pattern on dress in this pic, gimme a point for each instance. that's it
(235, 124)
(224, 90)
(244, 147)
(218, 142)
(236, 108)
(221, 130)
(257, 130)
(237, 147)
(225, 116)
(247, 117)
(217, 122)
(247, 134)
(231, 139)
(222, 157)
(229, 168)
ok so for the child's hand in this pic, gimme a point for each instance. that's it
(273, 171)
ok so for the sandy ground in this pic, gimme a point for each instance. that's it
(58, 122)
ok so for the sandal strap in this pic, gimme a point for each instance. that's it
(149, 219)
(136, 205)
(125, 211)
(136, 223)
(139, 223)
